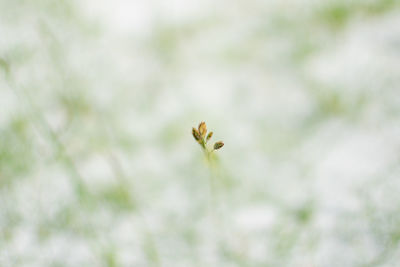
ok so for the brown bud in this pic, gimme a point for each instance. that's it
(218, 145)
(196, 135)
(209, 136)
(202, 129)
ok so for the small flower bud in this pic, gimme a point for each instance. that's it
(218, 145)
(209, 136)
(196, 135)
(202, 129)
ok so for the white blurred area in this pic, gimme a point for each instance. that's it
(98, 166)
(138, 17)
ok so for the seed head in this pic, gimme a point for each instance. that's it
(196, 135)
(202, 129)
(199, 135)
(218, 145)
(210, 134)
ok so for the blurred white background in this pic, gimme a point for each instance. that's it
(98, 166)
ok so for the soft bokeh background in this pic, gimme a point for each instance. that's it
(98, 166)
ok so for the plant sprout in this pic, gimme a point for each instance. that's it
(199, 135)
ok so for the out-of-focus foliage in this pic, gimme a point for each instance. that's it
(97, 162)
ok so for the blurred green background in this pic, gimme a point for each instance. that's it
(98, 166)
